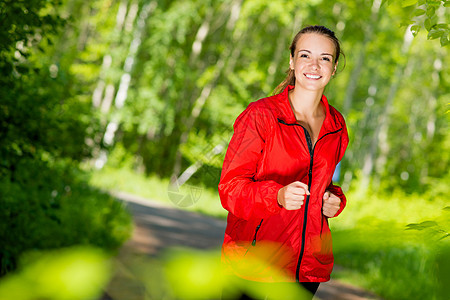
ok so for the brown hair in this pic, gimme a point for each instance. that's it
(290, 78)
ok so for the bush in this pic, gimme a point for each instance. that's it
(47, 206)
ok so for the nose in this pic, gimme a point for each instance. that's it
(315, 64)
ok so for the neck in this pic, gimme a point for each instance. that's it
(306, 103)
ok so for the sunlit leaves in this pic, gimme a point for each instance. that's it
(415, 29)
(422, 225)
(419, 12)
(408, 2)
(428, 14)
(439, 31)
(77, 273)
(430, 22)
(438, 229)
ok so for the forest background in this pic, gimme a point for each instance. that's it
(141, 96)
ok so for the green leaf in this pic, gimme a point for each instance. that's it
(421, 2)
(408, 2)
(434, 3)
(431, 11)
(445, 236)
(421, 226)
(444, 40)
(435, 33)
(440, 26)
(430, 22)
(447, 4)
(414, 226)
(419, 12)
(415, 30)
(427, 24)
(427, 224)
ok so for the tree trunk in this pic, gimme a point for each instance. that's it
(200, 101)
(356, 72)
(121, 96)
(381, 135)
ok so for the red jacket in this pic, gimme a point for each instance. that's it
(269, 150)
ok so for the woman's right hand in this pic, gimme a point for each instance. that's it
(292, 196)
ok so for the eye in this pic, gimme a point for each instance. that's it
(326, 58)
(303, 55)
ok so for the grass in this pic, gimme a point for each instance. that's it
(373, 240)
(372, 243)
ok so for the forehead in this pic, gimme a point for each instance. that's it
(315, 43)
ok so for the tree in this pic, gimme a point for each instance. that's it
(430, 15)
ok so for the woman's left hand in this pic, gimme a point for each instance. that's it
(331, 204)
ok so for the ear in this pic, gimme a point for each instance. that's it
(291, 63)
(335, 68)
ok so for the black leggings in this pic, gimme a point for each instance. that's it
(310, 286)
(233, 294)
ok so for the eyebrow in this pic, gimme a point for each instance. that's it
(320, 54)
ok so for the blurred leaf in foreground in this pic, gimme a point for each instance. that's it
(198, 275)
(72, 273)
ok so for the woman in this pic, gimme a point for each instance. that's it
(276, 177)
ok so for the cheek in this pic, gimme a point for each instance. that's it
(329, 69)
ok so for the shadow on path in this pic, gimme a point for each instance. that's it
(159, 227)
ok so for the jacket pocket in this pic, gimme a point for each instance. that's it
(322, 244)
(255, 236)
(322, 248)
(256, 232)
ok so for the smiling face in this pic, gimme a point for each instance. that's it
(313, 61)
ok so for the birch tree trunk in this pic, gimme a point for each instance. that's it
(97, 95)
(381, 134)
(432, 115)
(279, 55)
(356, 72)
(121, 96)
(200, 101)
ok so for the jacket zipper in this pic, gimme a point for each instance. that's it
(305, 214)
(256, 232)
(311, 148)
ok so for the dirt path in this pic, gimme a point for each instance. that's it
(159, 227)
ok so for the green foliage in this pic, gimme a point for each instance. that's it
(46, 206)
(198, 275)
(39, 115)
(71, 273)
(426, 16)
(193, 274)
(45, 200)
(398, 238)
(158, 118)
(386, 259)
(23, 24)
(197, 65)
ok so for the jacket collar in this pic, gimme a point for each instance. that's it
(330, 123)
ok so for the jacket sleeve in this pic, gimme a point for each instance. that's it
(338, 192)
(341, 150)
(239, 192)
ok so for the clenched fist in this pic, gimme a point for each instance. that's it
(331, 204)
(292, 196)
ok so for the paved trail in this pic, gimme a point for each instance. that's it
(159, 227)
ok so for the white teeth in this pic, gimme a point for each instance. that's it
(312, 76)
